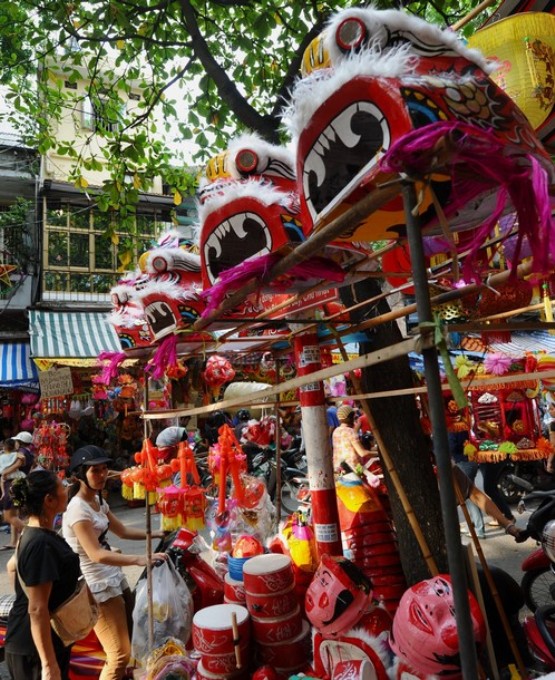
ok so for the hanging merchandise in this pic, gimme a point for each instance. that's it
(50, 441)
(218, 372)
(227, 457)
(147, 476)
(183, 505)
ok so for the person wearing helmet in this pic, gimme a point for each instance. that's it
(168, 440)
(85, 526)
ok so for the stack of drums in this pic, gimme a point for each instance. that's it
(282, 636)
(214, 641)
(369, 540)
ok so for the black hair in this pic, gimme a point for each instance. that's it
(29, 492)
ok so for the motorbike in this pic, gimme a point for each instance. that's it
(531, 471)
(264, 465)
(538, 581)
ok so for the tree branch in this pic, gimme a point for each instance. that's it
(266, 126)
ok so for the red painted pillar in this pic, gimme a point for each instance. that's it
(318, 449)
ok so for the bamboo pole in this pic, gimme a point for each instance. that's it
(278, 448)
(467, 648)
(472, 14)
(149, 593)
(491, 583)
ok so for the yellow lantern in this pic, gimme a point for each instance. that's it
(524, 45)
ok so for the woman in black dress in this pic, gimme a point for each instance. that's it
(49, 569)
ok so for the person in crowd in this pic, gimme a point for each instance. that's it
(243, 416)
(85, 526)
(470, 491)
(168, 440)
(48, 569)
(470, 468)
(23, 462)
(331, 416)
(362, 426)
(490, 474)
(23, 445)
(347, 447)
(213, 424)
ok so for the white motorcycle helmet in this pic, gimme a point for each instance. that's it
(548, 539)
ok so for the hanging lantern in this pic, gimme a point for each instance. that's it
(170, 506)
(194, 505)
(127, 484)
(218, 371)
(524, 47)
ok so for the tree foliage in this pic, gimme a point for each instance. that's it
(206, 70)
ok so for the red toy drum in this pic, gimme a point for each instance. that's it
(213, 630)
(234, 591)
(289, 655)
(355, 668)
(268, 574)
(204, 674)
(272, 606)
(224, 664)
(268, 631)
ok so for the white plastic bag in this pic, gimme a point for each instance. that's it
(172, 611)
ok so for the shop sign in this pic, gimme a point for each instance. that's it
(55, 383)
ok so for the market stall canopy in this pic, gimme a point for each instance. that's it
(70, 338)
(16, 367)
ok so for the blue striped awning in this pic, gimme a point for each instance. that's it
(16, 367)
(71, 335)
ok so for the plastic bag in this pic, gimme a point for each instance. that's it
(172, 611)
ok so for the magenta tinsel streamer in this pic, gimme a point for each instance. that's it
(164, 357)
(110, 371)
(519, 178)
(231, 279)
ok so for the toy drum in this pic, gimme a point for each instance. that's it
(280, 629)
(224, 664)
(272, 606)
(204, 674)
(267, 574)
(234, 591)
(289, 654)
(213, 630)
(354, 668)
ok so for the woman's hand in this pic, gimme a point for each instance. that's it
(51, 673)
(155, 557)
